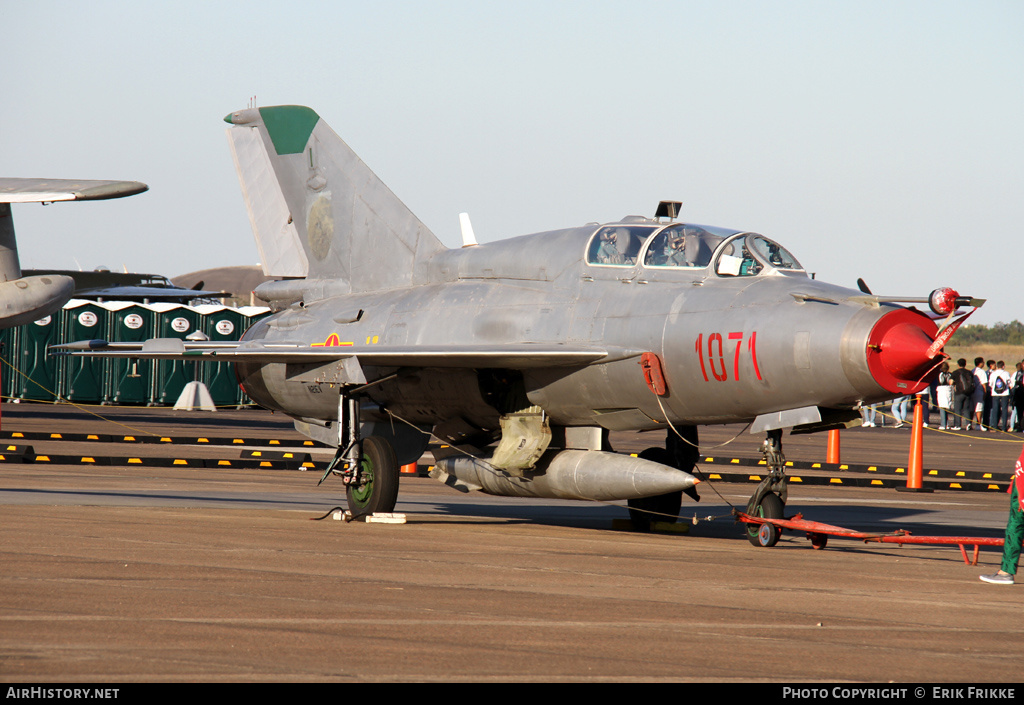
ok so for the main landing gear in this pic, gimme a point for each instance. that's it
(681, 452)
(373, 486)
(367, 467)
(663, 507)
(769, 499)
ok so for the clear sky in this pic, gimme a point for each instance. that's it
(874, 139)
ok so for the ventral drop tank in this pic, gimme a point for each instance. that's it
(567, 474)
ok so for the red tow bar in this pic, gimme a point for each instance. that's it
(818, 534)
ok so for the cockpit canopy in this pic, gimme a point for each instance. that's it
(681, 246)
(688, 246)
(617, 245)
(748, 255)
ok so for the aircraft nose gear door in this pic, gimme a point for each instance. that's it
(367, 466)
(769, 499)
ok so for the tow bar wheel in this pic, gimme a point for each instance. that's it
(766, 535)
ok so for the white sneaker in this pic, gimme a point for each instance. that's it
(998, 578)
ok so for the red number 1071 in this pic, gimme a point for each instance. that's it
(713, 355)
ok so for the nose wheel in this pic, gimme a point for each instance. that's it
(765, 535)
(769, 499)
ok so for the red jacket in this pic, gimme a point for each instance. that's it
(1018, 479)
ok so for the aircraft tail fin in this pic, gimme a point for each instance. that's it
(10, 265)
(316, 209)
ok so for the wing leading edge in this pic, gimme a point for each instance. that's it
(516, 356)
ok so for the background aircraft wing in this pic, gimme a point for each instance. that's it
(14, 190)
(28, 298)
(516, 356)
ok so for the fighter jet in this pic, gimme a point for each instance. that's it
(24, 299)
(522, 355)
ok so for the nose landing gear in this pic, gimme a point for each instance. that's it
(769, 499)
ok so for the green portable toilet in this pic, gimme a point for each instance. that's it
(37, 373)
(81, 378)
(171, 376)
(9, 342)
(221, 323)
(129, 380)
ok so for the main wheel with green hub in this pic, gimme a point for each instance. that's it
(376, 488)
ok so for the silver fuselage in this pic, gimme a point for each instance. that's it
(731, 347)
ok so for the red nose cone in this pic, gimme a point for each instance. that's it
(897, 351)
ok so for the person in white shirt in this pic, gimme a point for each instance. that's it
(944, 394)
(980, 389)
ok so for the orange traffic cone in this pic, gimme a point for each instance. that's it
(915, 463)
(832, 454)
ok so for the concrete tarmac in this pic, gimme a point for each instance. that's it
(118, 574)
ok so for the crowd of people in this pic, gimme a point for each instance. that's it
(985, 398)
